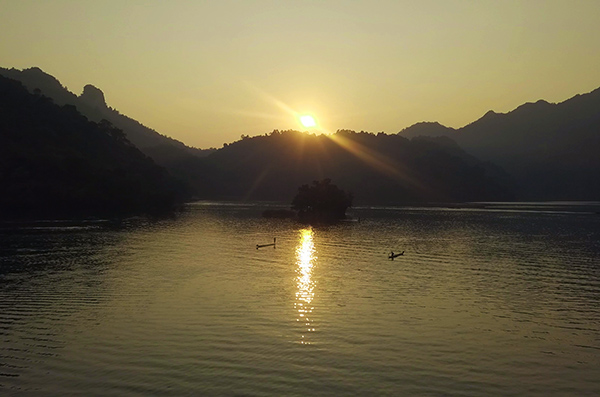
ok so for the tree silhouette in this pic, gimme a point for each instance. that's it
(322, 201)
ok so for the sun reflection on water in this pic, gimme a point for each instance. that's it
(305, 259)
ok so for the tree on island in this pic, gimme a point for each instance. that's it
(321, 202)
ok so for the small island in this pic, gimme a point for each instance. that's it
(321, 202)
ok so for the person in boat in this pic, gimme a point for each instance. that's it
(392, 255)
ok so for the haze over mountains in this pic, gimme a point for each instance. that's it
(539, 151)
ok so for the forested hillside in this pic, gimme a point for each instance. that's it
(179, 159)
(54, 162)
(383, 169)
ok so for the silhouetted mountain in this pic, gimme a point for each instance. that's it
(550, 149)
(165, 151)
(433, 129)
(54, 162)
(376, 168)
(94, 98)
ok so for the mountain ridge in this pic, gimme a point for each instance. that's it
(54, 162)
(377, 168)
(550, 148)
(165, 151)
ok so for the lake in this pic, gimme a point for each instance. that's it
(495, 299)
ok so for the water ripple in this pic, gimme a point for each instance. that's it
(482, 303)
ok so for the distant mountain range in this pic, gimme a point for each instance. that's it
(55, 162)
(552, 150)
(539, 151)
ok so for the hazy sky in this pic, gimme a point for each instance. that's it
(205, 72)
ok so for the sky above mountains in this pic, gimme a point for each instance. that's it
(207, 72)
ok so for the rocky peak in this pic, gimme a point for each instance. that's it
(93, 97)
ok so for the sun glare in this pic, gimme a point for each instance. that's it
(308, 121)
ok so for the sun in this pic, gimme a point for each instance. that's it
(308, 121)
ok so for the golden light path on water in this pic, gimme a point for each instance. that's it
(305, 260)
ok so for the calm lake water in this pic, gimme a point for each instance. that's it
(502, 300)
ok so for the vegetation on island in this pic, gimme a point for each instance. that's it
(321, 202)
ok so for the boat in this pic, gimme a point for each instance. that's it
(392, 255)
(274, 245)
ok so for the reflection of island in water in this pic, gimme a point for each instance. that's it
(305, 259)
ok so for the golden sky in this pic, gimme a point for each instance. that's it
(205, 72)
